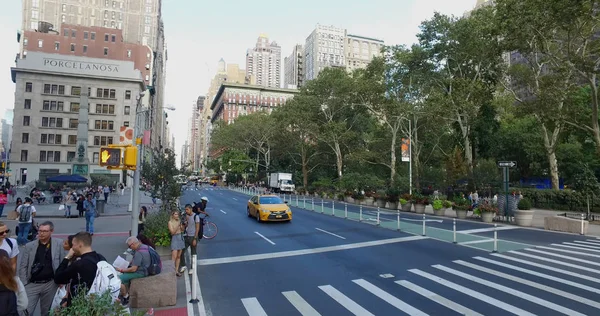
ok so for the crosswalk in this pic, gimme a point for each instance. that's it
(557, 279)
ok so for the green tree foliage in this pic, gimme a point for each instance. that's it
(160, 173)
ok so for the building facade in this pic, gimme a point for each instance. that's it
(47, 104)
(294, 68)
(263, 63)
(324, 48)
(360, 51)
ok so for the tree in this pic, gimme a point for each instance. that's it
(160, 174)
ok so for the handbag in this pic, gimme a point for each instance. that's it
(3, 199)
(61, 207)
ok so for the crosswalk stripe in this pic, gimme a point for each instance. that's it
(587, 243)
(536, 285)
(582, 245)
(580, 248)
(573, 274)
(593, 240)
(477, 295)
(253, 307)
(510, 291)
(563, 256)
(345, 301)
(438, 299)
(392, 300)
(569, 251)
(300, 304)
(566, 264)
(539, 274)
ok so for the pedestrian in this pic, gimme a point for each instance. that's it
(142, 218)
(138, 268)
(89, 206)
(79, 266)
(26, 213)
(191, 222)
(13, 298)
(39, 261)
(177, 242)
(80, 209)
(3, 199)
(9, 245)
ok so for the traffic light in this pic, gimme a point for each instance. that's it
(110, 157)
(130, 159)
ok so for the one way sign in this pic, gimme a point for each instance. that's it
(507, 164)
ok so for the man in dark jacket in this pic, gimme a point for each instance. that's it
(78, 268)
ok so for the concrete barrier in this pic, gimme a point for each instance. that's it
(155, 291)
(565, 224)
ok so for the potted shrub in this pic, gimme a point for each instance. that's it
(524, 214)
(157, 230)
(420, 202)
(368, 199)
(488, 211)
(406, 202)
(438, 208)
(92, 305)
(348, 197)
(380, 198)
(447, 205)
(461, 206)
(392, 197)
(357, 197)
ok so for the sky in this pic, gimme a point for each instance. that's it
(199, 33)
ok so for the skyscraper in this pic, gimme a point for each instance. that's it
(263, 63)
(294, 68)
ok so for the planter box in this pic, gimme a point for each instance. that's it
(380, 203)
(164, 251)
(392, 205)
(440, 212)
(407, 207)
(487, 217)
(349, 199)
(524, 217)
(367, 201)
(461, 214)
(420, 208)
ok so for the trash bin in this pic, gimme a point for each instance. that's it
(100, 206)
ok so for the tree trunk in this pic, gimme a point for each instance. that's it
(339, 159)
(393, 157)
(595, 124)
(304, 168)
(550, 146)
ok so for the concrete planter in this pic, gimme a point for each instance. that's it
(524, 217)
(349, 199)
(461, 214)
(163, 251)
(380, 203)
(407, 207)
(419, 208)
(440, 212)
(487, 217)
(392, 205)
(368, 201)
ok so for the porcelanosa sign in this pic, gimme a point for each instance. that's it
(77, 65)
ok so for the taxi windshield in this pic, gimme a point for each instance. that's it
(270, 200)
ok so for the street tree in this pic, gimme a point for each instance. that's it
(160, 173)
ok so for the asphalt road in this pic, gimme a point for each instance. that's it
(325, 265)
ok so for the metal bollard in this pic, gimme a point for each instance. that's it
(332, 207)
(582, 217)
(495, 238)
(454, 229)
(304, 201)
(194, 280)
(378, 222)
(312, 200)
(360, 214)
(297, 204)
(398, 221)
(423, 224)
(322, 206)
(346, 210)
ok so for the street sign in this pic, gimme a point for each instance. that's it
(82, 170)
(507, 164)
(110, 157)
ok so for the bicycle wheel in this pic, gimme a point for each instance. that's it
(210, 230)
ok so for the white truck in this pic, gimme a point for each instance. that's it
(281, 182)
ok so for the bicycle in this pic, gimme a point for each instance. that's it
(209, 229)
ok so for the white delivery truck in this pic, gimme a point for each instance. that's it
(281, 182)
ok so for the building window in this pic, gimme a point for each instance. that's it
(35, 3)
(53, 106)
(72, 139)
(72, 48)
(147, 29)
(104, 125)
(63, 18)
(106, 93)
(85, 35)
(95, 158)
(105, 109)
(106, 37)
(75, 90)
(64, 8)
(24, 155)
(73, 33)
(28, 86)
(40, 43)
(105, 23)
(113, 15)
(51, 122)
(66, 32)
(120, 16)
(54, 89)
(113, 38)
(74, 107)
(126, 123)
(57, 45)
(148, 20)
(127, 94)
(51, 139)
(93, 36)
(25, 138)
(106, 14)
(112, 24)
(35, 14)
(103, 140)
(25, 41)
(127, 110)
(26, 120)
(49, 156)
(84, 49)
(70, 156)
(105, 51)
(148, 9)
(129, 53)
(27, 104)
(114, 4)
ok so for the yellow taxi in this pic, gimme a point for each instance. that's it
(268, 208)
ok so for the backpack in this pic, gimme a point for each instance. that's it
(155, 262)
(25, 214)
(106, 280)
(10, 244)
(8, 301)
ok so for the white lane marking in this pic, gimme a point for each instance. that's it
(291, 253)
(564, 257)
(330, 233)
(392, 300)
(253, 307)
(511, 291)
(438, 299)
(570, 265)
(386, 276)
(569, 251)
(594, 240)
(587, 243)
(345, 301)
(536, 285)
(475, 242)
(474, 294)
(545, 276)
(265, 238)
(223, 212)
(420, 220)
(485, 230)
(300, 304)
(188, 296)
(580, 245)
(235, 199)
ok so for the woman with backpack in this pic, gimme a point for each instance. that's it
(13, 298)
(142, 219)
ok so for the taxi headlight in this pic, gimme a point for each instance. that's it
(264, 211)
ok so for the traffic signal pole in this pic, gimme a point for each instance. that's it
(135, 191)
